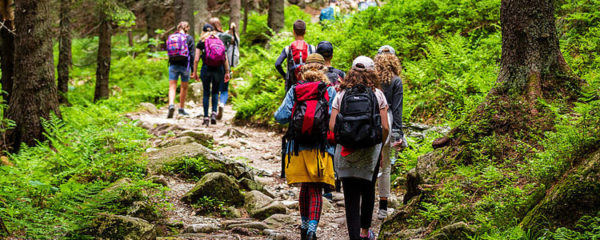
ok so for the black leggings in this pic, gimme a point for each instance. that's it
(359, 215)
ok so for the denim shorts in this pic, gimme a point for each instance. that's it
(175, 71)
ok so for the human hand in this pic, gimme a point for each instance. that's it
(398, 145)
(226, 77)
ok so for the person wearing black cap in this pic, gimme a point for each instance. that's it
(335, 75)
(295, 54)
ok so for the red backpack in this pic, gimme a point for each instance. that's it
(297, 53)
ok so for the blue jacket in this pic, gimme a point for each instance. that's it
(284, 115)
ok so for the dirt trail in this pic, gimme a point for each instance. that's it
(259, 149)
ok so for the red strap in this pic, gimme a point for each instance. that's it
(311, 107)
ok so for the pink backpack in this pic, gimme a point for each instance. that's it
(215, 51)
(177, 47)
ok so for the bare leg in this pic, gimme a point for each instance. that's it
(183, 94)
(172, 91)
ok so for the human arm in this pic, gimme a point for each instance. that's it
(396, 106)
(195, 65)
(284, 113)
(334, 113)
(227, 70)
(385, 127)
(279, 61)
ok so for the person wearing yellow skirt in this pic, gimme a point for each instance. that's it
(310, 165)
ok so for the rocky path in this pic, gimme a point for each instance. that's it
(259, 149)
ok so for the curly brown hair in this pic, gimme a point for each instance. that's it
(313, 72)
(388, 66)
(362, 76)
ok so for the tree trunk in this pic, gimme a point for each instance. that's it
(153, 18)
(103, 58)
(34, 97)
(8, 59)
(184, 11)
(246, 4)
(234, 15)
(276, 15)
(64, 46)
(532, 68)
(202, 16)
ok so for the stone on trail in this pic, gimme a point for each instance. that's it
(266, 211)
(201, 228)
(291, 204)
(177, 141)
(253, 225)
(327, 206)
(234, 133)
(108, 226)
(280, 220)
(194, 93)
(200, 137)
(261, 206)
(148, 108)
(217, 186)
(249, 185)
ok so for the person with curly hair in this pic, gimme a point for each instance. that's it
(308, 163)
(389, 69)
(358, 168)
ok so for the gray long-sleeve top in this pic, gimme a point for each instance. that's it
(394, 95)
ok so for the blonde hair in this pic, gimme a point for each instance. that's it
(313, 72)
(388, 66)
(185, 26)
(216, 23)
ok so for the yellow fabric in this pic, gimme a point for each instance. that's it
(305, 168)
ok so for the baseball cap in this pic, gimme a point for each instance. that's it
(386, 49)
(325, 48)
(207, 28)
(366, 62)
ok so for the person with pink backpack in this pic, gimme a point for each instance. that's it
(215, 69)
(180, 47)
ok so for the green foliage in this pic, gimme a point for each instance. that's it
(210, 206)
(588, 227)
(189, 168)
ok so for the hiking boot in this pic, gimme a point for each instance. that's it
(182, 112)
(311, 236)
(206, 121)
(220, 111)
(382, 214)
(171, 111)
(213, 118)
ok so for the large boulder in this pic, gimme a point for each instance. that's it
(200, 137)
(261, 206)
(576, 195)
(144, 210)
(177, 141)
(216, 162)
(108, 226)
(122, 193)
(280, 220)
(148, 108)
(217, 186)
(194, 93)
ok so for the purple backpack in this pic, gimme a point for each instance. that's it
(177, 47)
(215, 51)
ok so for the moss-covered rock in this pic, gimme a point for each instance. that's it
(217, 186)
(393, 226)
(144, 210)
(202, 138)
(122, 193)
(108, 226)
(575, 195)
(177, 141)
(459, 230)
(262, 206)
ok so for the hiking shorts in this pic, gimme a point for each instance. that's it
(176, 70)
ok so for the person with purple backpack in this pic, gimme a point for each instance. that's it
(179, 49)
(215, 69)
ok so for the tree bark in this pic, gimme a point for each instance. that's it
(153, 18)
(276, 15)
(246, 4)
(34, 96)
(203, 15)
(184, 11)
(103, 58)
(8, 59)
(235, 14)
(64, 46)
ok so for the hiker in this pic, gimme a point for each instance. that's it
(295, 54)
(359, 120)
(233, 56)
(215, 69)
(335, 75)
(329, 13)
(308, 157)
(389, 68)
(180, 47)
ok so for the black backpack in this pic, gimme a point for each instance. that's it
(358, 124)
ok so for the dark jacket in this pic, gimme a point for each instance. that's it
(394, 95)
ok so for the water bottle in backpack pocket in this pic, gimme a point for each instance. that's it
(177, 47)
(358, 124)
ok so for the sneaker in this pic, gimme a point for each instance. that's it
(371, 236)
(171, 111)
(213, 118)
(382, 214)
(182, 112)
(220, 111)
(206, 121)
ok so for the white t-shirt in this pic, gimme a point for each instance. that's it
(337, 101)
